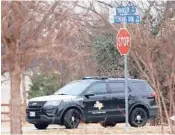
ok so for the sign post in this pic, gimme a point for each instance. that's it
(123, 46)
(124, 15)
(126, 85)
(126, 91)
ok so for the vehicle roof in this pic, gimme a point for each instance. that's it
(129, 79)
(86, 80)
(113, 79)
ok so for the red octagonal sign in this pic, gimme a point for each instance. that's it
(123, 41)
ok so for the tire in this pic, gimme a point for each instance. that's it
(138, 117)
(106, 124)
(72, 118)
(41, 126)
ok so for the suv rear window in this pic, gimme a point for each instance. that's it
(142, 86)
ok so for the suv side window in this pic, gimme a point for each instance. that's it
(116, 87)
(97, 88)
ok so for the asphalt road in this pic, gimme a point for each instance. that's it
(86, 129)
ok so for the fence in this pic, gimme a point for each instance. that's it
(5, 113)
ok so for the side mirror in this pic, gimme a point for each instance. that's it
(88, 95)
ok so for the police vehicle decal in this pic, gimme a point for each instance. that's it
(98, 105)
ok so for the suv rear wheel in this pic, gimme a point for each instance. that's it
(72, 118)
(138, 117)
(41, 126)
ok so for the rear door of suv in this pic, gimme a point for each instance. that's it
(117, 104)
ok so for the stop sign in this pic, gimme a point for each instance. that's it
(123, 41)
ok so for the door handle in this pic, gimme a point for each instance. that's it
(105, 98)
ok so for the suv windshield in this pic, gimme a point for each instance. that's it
(73, 88)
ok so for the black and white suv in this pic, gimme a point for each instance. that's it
(93, 100)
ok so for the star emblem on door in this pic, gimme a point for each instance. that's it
(98, 105)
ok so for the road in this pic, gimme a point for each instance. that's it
(86, 129)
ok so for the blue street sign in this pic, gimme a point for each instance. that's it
(127, 14)
(126, 10)
(127, 19)
(133, 18)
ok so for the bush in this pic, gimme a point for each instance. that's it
(43, 84)
(108, 59)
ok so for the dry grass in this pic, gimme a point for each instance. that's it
(89, 129)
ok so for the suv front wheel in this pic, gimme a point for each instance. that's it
(72, 118)
(138, 117)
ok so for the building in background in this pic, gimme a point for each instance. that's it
(5, 88)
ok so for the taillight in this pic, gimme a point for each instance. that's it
(153, 94)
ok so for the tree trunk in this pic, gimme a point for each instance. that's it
(161, 113)
(160, 110)
(166, 113)
(24, 89)
(171, 102)
(152, 122)
(15, 102)
(24, 92)
(157, 88)
(173, 112)
(171, 95)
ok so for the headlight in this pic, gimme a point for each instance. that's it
(52, 103)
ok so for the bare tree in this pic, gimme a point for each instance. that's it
(154, 57)
(31, 30)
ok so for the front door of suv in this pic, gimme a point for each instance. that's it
(97, 104)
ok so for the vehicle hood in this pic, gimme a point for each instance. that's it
(53, 97)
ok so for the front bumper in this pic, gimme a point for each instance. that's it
(44, 119)
(49, 116)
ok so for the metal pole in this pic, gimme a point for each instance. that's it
(126, 86)
(126, 91)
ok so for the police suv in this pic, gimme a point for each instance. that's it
(94, 100)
